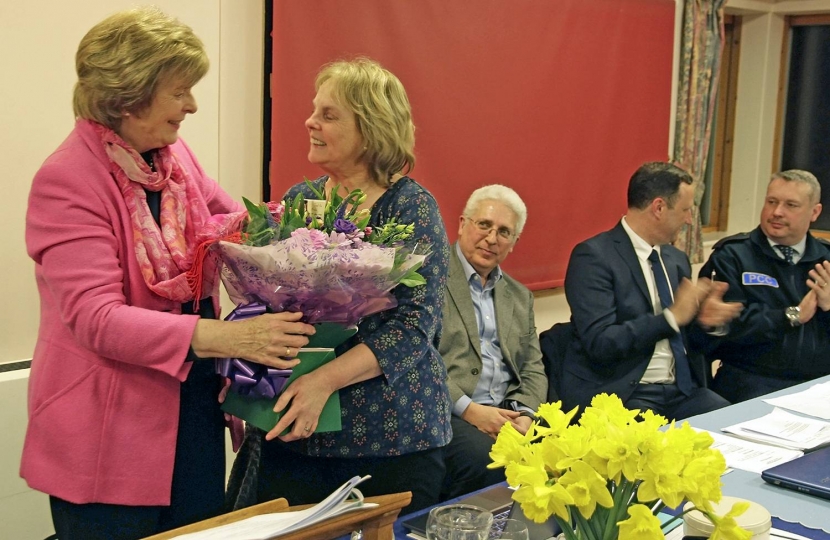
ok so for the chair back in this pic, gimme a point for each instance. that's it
(554, 343)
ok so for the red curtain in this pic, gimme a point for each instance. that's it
(560, 100)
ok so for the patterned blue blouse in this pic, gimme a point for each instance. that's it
(407, 408)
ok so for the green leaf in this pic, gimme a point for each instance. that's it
(253, 209)
(414, 281)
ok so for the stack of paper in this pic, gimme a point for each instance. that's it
(815, 401)
(784, 429)
(345, 499)
(750, 456)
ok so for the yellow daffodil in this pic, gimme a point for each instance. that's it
(587, 488)
(529, 470)
(620, 453)
(574, 444)
(726, 528)
(608, 409)
(640, 525)
(506, 448)
(539, 497)
(701, 478)
(556, 420)
(567, 470)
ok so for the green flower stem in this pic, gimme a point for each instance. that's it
(566, 528)
(622, 497)
(587, 528)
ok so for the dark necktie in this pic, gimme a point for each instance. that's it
(787, 252)
(681, 361)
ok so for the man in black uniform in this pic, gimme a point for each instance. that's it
(780, 273)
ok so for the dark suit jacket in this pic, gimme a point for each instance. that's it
(460, 346)
(616, 329)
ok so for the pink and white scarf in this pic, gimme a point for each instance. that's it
(165, 252)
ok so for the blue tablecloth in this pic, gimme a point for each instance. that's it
(792, 511)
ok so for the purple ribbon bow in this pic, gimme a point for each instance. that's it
(249, 378)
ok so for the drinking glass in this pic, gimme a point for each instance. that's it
(459, 522)
(509, 529)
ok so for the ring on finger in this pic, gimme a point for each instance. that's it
(288, 351)
(306, 428)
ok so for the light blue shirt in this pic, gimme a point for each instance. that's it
(495, 375)
(798, 249)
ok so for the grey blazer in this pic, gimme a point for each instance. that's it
(461, 350)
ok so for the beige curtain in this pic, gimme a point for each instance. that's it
(701, 45)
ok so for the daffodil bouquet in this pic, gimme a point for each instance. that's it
(607, 476)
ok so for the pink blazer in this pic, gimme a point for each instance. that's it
(110, 354)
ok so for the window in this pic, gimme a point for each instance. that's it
(803, 128)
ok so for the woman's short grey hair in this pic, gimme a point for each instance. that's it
(382, 112)
(806, 177)
(121, 61)
(502, 194)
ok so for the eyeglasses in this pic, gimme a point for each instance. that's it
(486, 226)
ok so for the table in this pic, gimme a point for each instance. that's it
(788, 506)
(792, 511)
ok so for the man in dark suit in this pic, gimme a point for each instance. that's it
(489, 342)
(634, 308)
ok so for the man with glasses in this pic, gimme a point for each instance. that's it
(489, 342)
(635, 310)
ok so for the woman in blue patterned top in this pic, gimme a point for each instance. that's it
(394, 400)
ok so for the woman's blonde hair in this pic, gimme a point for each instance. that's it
(121, 61)
(381, 108)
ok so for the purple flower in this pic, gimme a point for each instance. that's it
(344, 226)
(318, 239)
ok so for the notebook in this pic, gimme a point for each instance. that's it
(809, 473)
(497, 500)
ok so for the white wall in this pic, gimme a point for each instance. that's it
(37, 48)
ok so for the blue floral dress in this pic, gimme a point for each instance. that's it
(407, 408)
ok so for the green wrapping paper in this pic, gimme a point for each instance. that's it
(259, 412)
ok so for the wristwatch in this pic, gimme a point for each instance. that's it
(528, 414)
(793, 313)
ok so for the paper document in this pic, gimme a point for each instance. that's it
(784, 429)
(750, 456)
(815, 401)
(345, 499)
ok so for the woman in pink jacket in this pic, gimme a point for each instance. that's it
(125, 433)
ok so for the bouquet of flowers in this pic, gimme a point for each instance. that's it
(609, 475)
(320, 258)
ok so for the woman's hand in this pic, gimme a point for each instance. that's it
(272, 339)
(301, 404)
